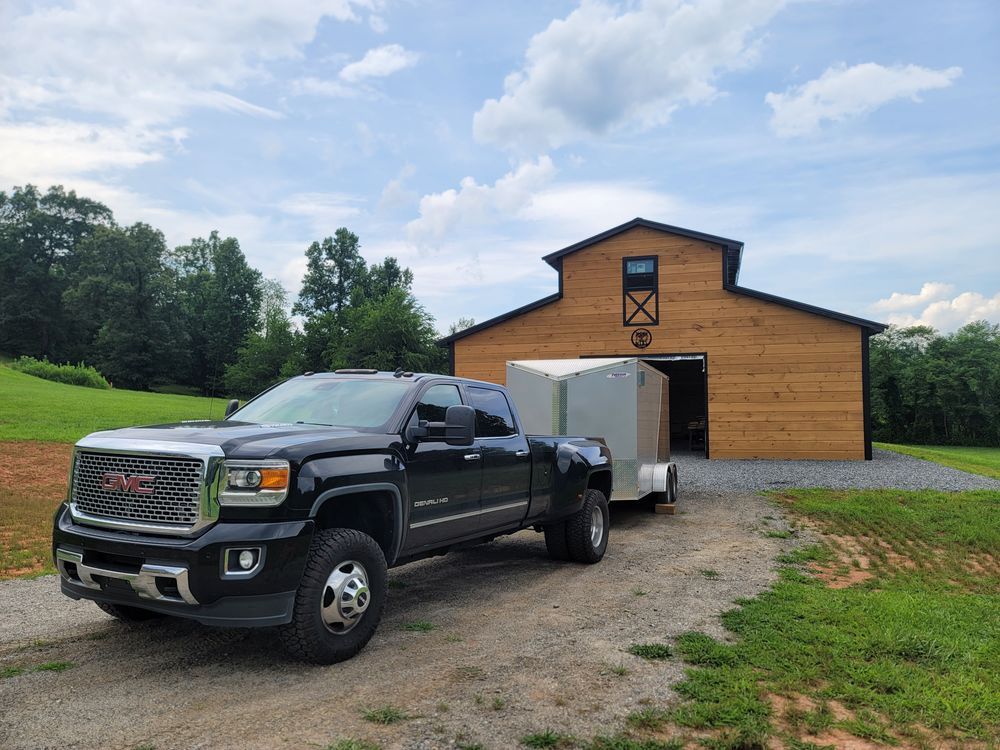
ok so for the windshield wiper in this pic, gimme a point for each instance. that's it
(316, 424)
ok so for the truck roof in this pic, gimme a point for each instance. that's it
(386, 375)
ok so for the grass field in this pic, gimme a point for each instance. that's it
(985, 461)
(885, 633)
(35, 409)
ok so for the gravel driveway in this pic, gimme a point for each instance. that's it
(520, 644)
(885, 470)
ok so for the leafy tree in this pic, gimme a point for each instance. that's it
(220, 298)
(933, 389)
(122, 297)
(460, 325)
(39, 238)
(262, 357)
(390, 332)
(334, 269)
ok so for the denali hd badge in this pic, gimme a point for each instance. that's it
(430, 501)
(141, 484)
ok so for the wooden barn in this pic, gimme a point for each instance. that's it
(752, 375)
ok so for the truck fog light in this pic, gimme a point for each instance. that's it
(241, 562)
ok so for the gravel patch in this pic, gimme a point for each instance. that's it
(886, 470)
(520, 644)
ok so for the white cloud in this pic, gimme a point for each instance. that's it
(602, 68)
(49, 151)
(395, 194)
(842, 93)
(313, 86)
(149, 62)
(945, 313)
(379, 63)
(929, 292)
(473, 203)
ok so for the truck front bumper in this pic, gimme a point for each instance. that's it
(192, 578)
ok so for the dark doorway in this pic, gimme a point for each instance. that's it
(688, 375)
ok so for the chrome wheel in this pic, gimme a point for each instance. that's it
(346, 596)
(596, 527)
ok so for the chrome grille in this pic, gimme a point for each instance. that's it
(176, 489)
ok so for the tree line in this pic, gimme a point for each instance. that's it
(936, 389)
(75, 286)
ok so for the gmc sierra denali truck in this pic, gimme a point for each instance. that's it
(289, 511)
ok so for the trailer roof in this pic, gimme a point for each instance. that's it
(564, 368)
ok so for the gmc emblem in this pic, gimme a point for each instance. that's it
(141, 484)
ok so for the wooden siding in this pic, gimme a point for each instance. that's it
(782, 383)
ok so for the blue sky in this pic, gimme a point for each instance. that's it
(851, 144)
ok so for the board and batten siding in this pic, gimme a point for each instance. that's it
(783, 383)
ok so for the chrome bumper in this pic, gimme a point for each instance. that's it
(144, 583)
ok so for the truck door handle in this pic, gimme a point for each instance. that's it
(521, 454)
(472, 456)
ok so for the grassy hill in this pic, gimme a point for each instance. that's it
(35, 409)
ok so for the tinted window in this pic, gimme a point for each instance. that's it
(435, 402)
(493, 417)
(333, 402)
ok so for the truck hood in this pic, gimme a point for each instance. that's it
(249, 440)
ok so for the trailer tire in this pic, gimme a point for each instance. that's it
(587, 529)
(555, 541)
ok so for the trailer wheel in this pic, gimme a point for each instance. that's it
(587, 529)
(555, 541)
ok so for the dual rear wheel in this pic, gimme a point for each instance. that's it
(583, 537)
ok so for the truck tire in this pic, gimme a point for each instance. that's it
(587, 529)
(340, 599)
(126, 613)
(555, 541)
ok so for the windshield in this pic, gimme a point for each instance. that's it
(326, 401)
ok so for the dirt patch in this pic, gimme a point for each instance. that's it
(36, 468)
(521, 644)
(788, 715)
(33, 480)
(851, 566)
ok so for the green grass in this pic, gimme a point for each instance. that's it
(49, 666)
(419, 626)
(985, 461)
(36, 409)
(650, 650)
(385, 715)
(913, 648)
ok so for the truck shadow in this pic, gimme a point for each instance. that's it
(459, 586)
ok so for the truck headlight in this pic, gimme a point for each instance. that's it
(254, 483)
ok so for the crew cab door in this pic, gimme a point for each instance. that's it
(506, 459)
(444, 481)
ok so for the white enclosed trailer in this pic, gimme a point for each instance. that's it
(623, 400)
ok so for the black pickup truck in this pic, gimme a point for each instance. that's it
(289, 511)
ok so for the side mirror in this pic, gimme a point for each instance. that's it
(232, 406)
(459, 425)
(458, 428)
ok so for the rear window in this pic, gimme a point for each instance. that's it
(493, 417)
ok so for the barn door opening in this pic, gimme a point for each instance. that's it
(688, 375)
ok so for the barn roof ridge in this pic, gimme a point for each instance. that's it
(734, 248)
(731, 266)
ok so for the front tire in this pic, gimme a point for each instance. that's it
(587, 530)
(340, 599)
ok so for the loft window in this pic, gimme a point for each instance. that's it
(640, 292)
